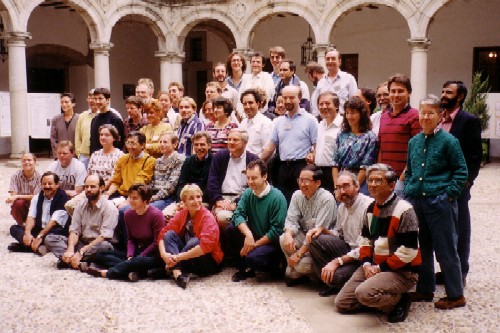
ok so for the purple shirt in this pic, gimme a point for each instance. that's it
(143, 231)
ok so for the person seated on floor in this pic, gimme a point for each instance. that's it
(257, 223)
(388, 252)
(194, 170)
(143, 223)
(24, 184)
(311, 207)
(91, 230)
(136, 166)
(226, 179)
(45, 216)
(71, 171)
(333, 251)
(189, 243)
(167, 171)
(102, 162)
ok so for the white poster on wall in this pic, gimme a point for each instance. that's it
(43, 107)
(5, 129)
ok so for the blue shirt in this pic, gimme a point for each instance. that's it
(295, 136)
(186, 131)
(356, 152)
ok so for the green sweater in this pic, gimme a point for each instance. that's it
(435, 165)
(264, 216)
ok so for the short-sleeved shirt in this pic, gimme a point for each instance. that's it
(19, 184)
(91, 222)
(326, 143)
(295, 136)
(60, 216)
(259, 130)
(71, 176)
(343, 84)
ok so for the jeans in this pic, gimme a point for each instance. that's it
(84, 159)
(202, 266)
(120, 267)
(399, 189)
(161, 204)
(437, 218)
(121, 230)
(464, 230)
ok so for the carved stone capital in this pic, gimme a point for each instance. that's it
(173, 57)
(101, 48)
(420, 43)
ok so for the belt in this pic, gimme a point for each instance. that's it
(302, 160)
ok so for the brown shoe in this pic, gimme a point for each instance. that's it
(446, 303)
(421, 297)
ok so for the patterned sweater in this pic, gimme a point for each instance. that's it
(389, 237)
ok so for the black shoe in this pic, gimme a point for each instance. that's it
(133, 276)
(421, 297)
(182, 280)
(157, 273)
(18, 247)
(242, 275)
(94, 271)
(297, 281)
(400, 311)
(439, 278)
(62, 265)
(329, 292)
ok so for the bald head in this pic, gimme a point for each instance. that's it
(291, 96)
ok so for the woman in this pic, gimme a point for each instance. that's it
(103, 161)
(155, 128)
(167, 172)
(63, 126)
(189, 243)
(170, 116)
(207, 112)
(357, 145)
(144, 224)
(219, 130)
(212, 91)
(236, 65)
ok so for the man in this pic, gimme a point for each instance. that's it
(258, 126)
(71, 171)
(295, 136)
(288, 77)
(190, 124)
(326, 142)
(220, 75)
(92, 226)
(397, 126)
(311, 207)
(340, 82)
(24, 184)
(256, 226)
(383, 103)
(435, 176)
(388, 252)
(176, 92)
(46, 216)
(333, 252)
(276, 55)
(226, 179)
(105, 116)
(145, 89)
(135, 121)
(315, 72)
(82, 132)
(258, 78)
(467, 129)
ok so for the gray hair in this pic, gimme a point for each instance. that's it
(351, 175)
(432, 101)
(390, 174)
(242, 132)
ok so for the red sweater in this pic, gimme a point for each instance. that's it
(205, 228)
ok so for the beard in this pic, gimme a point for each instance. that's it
(92, 196)
(449, 103)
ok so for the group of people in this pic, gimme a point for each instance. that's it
(350, 187)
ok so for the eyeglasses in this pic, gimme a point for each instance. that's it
(304, 181)
(375, 181)
(344, 187)
(131, 144)
(235, 60)
(427, 114)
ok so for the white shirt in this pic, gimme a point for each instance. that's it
(375, 118)
(343, 84)
(231, 94)
(259, 130)
(305, 90)
(263, 80)
(71, 176)
(235, 180)
(326, 143)
(60, 216)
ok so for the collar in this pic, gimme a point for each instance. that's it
(243, 156)
(185, 122)
(263, 193)
(391, 198)
(390, 112)
(450, 117)
(141, 155)
(299, 113)
(337, 121)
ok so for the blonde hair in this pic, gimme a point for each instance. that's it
(189, 188)
(191, 102)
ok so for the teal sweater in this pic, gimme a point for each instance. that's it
(264, 216)
(435, 165)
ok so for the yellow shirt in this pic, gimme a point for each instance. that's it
(153, 134)
(82, 133)
(129, 171)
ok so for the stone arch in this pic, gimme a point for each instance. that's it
(292, 8)
(430, 9)
(8, 13)
(332, 15)
(59, 55)
(193, 17)
(88, 13)
(146, 14)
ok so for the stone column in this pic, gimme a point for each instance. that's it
(419, 48)
(101, 64)
(170, 67)
(18, 86)
(247, 53)
(321, 52)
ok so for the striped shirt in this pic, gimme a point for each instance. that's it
(219, 135)
(21, 185)
(186, 131)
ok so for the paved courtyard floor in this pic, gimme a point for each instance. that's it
(36, 297)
